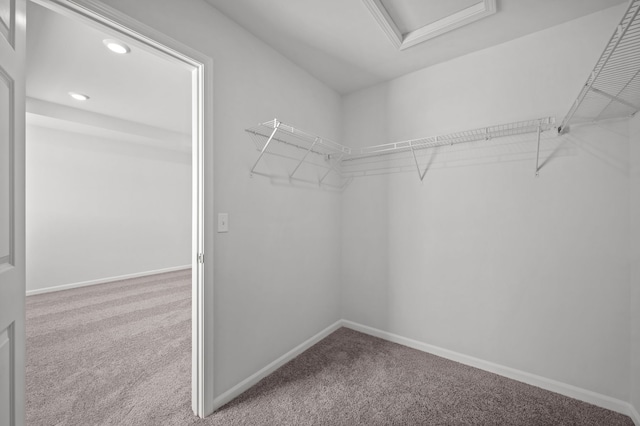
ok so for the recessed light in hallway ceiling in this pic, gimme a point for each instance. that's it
(116, 46)
(78, 96)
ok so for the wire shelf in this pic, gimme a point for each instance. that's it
(332, 158)
(611, 91)
(312, 150)
(613, 87)
(505, 149)
(297, 138)
(483, 133)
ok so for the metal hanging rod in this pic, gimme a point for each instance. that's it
(613, 87)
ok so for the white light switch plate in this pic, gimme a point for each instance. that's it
(223, 222)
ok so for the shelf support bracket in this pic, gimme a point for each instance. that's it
(538, 150)
(420, 173)
(616, 98)
(612, 45)
(331, 168)
(303, 157)
(266, 145)
(347, 182)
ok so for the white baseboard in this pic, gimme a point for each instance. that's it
(105, 280)
(571, 391)
(256, 377)
(594, 398)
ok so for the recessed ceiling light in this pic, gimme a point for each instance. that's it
(78, 96)
(116, 46)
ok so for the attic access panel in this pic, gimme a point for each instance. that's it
(409, 22)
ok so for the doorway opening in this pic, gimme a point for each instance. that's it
(177, 162)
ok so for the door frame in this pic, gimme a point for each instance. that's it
(112, 21)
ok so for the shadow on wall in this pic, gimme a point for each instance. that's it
(597, 140)
(375, 214)
(282, 162)
(286, 164)
(498, 150)
(600, 140)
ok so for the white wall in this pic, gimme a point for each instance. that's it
(365, 242)
(544, 287)
(100, 208)
(634, 138)
(484, 259)
(277, 271)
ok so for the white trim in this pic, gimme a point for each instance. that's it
(108, 19)
(449, 23)
(571, 391)
(250, 381)
(385, 21)
(480, 10)
(580, 394)
(105, 280)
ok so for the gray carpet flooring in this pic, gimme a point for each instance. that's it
(119, 354)
(110, 354)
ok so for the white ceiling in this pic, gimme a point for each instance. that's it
(341, 44)
(338, 41)
(65, 55)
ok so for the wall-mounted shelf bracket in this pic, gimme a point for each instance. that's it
(613, 87)
(276, 125)
(616, 98)
(304, 156)
(420, 174)
(332, 168)
(538, 150)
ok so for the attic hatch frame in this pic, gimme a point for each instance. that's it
(111, 21)
(337, 155)
(612, 89)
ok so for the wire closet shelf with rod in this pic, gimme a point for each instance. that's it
(612, 91)
(343, 164)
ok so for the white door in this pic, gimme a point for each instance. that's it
(12, 237)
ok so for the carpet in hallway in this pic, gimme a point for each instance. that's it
(110, 354)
